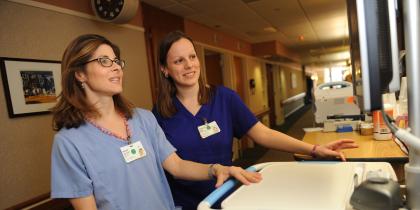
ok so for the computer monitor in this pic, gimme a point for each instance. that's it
(374, 50)
(374, 53)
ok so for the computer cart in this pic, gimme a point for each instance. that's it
(299, 185)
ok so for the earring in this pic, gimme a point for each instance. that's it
(165, 74)
(82, 85)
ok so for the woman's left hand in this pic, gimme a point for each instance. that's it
(333, 149)
(222, 173)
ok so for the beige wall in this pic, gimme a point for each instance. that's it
(288, 89)
(278, 94)
(254, 68)
(257, 99)
(39, 33)
(287, 85)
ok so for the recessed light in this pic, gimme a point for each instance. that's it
(270, 29)
(301, 38)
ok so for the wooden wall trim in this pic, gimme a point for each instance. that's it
(30, 202)
(274, 48)
(292, 66)
(216, 37)
(157, 23)
(42, 202)
(262, 113)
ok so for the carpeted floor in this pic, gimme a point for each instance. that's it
(293, 126)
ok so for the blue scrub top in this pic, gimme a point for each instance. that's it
(234, 120)
(86, 161)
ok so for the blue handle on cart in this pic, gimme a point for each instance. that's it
(219, 192)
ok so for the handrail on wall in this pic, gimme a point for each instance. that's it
(262, 113)
(294, 98)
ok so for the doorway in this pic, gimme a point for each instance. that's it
(270, 92)
(214, 71)
(309, 90)
(239, 77)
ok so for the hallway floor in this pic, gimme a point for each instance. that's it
(302, 119)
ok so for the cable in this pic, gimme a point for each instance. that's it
(408, 138)
(388, 120)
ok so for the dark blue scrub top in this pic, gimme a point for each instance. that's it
(234, 120)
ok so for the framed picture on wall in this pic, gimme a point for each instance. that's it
(30, 86)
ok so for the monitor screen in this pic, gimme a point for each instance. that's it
(374, 50)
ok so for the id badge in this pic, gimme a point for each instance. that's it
(208, 129)
(133, 151)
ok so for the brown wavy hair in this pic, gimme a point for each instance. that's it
(167, 89)
(72, 105)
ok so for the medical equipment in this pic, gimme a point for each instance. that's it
(377, 193)
(334, 98)
(336, 125)
(300, 185)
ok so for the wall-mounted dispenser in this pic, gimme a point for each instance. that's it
(252, 86)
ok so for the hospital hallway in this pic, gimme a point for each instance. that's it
(293, 126)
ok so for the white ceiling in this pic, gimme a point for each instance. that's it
(322, 23)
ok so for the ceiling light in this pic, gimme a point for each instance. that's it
(301, 38)
(314, 76)
(270, 29)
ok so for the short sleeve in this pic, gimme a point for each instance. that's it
(242, 118)
(69, 178)
(163, 148)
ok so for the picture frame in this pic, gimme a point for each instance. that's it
(31, 86)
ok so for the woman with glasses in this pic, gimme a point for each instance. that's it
(107, 154)
(201, 121)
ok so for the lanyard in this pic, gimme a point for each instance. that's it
(206, 123)
(108, 132)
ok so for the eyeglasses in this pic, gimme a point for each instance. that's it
(107, 62)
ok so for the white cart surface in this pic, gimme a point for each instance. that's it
(302, 186)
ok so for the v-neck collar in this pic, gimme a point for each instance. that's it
(183, 109)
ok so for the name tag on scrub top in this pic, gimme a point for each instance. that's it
(208, 129)
(133, 151)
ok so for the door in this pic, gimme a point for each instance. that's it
(239, 77)
(270, 92)
(214, 69)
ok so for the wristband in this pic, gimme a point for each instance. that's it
(313, 150)
(210, 172)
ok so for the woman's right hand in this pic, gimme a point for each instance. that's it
(222, 173)
(333, 149)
